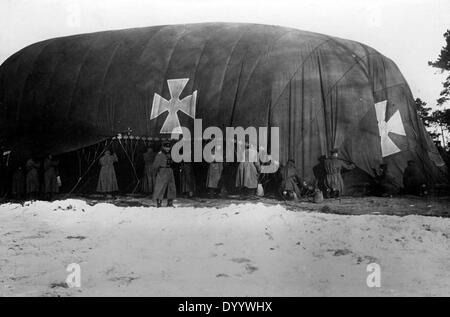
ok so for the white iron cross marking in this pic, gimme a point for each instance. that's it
(394, 125)
(161, 105)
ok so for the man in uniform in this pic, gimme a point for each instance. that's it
(333, 168)
(32, 179)
(214, 176)
(165, 180)
(248, 170)
(107, 180)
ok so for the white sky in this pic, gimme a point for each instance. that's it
(407, 31)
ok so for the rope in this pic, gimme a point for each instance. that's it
(87, 170)
(132, 165)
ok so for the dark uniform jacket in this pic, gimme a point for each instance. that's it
(165, 181)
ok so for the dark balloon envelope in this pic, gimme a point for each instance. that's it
(66, 93)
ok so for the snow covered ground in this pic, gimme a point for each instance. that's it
(247, 249)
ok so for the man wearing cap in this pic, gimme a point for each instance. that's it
(165, 181)
(333, 180)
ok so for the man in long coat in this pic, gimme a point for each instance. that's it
(214, 175)
(50, 174)
(32, 178)
(247, 173)
(165, 180)
(148, 179)
(333, 168)
(107, 181)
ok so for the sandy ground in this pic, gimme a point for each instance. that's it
(226, 248)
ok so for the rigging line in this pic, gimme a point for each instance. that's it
(324, 104)
(300, 66)
(89, 153)
(79, 163)
(391, 86)
(136, 143)
(385, 88)
(84, 175)
(355, 56)
(343, 75)
(133, 162)
(96, 150)
(92, 151)
(131, 147)
(317, 111)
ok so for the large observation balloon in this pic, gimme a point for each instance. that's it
(322, 92)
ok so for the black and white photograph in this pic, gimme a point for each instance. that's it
(218, 149)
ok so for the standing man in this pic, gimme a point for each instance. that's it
(333, 168)
(247, 173)
(50, 174)
(32, 179)
(107, 181)
(213, 178)
(165, 181)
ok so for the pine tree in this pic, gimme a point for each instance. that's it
(443, 64)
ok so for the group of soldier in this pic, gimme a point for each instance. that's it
(158, 177)
(26, 180)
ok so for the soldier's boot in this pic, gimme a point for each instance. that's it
(158, 203)
(169, 202)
